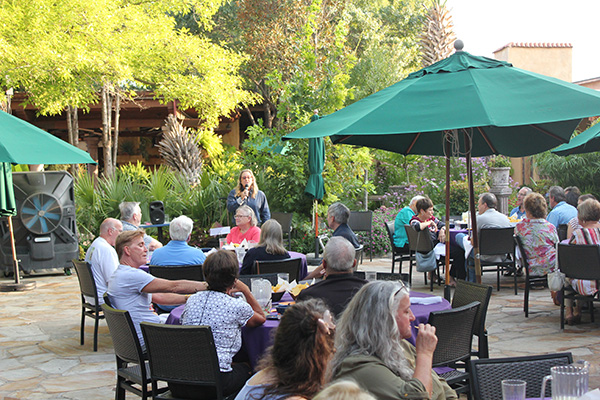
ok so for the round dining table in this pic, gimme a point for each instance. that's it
(255, 341)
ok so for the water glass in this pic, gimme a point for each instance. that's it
(513, 389)
(284, 276)
(371, 275)
(222, 242)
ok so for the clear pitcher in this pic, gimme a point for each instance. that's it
(569, 382)
(261, 290)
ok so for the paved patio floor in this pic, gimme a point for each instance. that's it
(40, 355)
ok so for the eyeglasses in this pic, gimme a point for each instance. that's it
(402, 287)
(241, 216)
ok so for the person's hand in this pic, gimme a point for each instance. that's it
(238, 286)
(426, 340)
(442, 236)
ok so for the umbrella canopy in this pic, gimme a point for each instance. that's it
(315, 186)
(586, 142)
(23, 143)
(8, 205)
(499, 104)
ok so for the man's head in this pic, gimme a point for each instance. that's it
(486, 201)
(110, 229)
(131, 212)
(337, 214)
(413, 203)
(556, 194)
(180, 228)
(131, 249)
(572, 194)
(339, 255)
(524, 191)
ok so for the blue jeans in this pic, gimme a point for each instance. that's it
(469, 261)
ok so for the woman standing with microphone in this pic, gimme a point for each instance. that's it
(247, 193)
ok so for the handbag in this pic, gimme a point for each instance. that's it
(426, 262)
(556, 280)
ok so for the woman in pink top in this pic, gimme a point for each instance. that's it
(245, 221)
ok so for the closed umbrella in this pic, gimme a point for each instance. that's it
(587, 141)
(463, 105)
(23, 143)
(315, 187)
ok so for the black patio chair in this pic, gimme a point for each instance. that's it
(285, 220)
(362, 221)
(398, 253)
(290, 265)
(91, 309)
(177, 272)
(420, 242)
(531, 281)
(498, 242)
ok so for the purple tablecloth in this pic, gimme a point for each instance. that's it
(255, 341)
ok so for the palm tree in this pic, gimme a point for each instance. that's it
(180, 150)
(438, 38)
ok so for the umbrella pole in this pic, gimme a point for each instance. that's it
(14, 250)
(447, 227)
(316, 222)
(474, 238)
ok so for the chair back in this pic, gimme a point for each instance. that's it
(107, 300)
(361, 221)
(418, 241)
(289, 265)
(486, 374)
(247, 279)
(496, 241)
(177, 272)
(562, 232)
(87, 284)
(581, 261)
(390, 276)
(124, 337)
(468, 292)
(182, 354)
(285, 220)
(454, 330)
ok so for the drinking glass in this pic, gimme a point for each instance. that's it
(371, 275)
(284, 276)
(513, 389)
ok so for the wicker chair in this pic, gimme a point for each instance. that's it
(498, 242)
(177, 272)
(182, 355)
(290, 265)
(87, 286)
(486, 374)
(468, 292)
(398, 253)
(454, 330)
(581, 261)
(133, 373)
(362, 221)
(421, 242)
(531, 281)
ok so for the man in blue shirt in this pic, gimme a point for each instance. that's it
(562, 212)
(403, 218)
(519, 210)
(178, 251)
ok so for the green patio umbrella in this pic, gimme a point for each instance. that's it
(23, 143)
(587, 141)
(315, 187)
(463, 105)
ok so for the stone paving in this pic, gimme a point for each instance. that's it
(40, 355)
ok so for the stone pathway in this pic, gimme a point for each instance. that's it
(40, 355)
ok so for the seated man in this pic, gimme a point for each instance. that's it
(339, 285)
(102, 256)
(337, 219)
(519, 210)
(132, 289)
(403, 218)
(178, 251)
(131, 217)
(562, 212)
(487, 217)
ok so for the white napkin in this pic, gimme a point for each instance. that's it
(426, 300)
(592, 395)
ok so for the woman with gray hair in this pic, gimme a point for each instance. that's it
(270, 247)
(371, 350)
(245, 221)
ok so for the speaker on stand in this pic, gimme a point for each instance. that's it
(157, 216)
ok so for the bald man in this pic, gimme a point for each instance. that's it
(102, 256)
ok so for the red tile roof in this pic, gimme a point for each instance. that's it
(535, 45)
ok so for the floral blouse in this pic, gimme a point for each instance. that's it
(539, 238)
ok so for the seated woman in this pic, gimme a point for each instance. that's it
(424, 219)
(225, 315)
(371, 350)
(588, 213)
(245, 221)
(573, 223)
(296, 364)
(270, 247)
(538, 236)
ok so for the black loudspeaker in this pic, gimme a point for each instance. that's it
(157, 212)
(44, 228)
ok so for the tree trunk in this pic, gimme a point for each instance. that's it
(116, 132)
(106, 131)
(250, 115)
(73, 134)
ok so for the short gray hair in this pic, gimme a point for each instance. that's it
(248, 210)
(339, 212)
(557, 193)
(489, 199)
(368, 327)
(415, 199)
(339, 254)
(180, 228)
(128, 208)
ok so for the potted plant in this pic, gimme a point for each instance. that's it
(499, 170)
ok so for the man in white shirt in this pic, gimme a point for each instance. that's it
(102, 256)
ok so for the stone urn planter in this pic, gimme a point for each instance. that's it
(499, 176)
